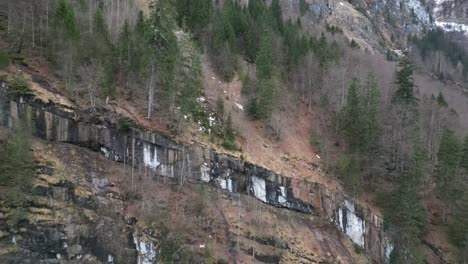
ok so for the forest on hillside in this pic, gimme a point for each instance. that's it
(376, 138)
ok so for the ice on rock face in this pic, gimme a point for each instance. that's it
(146, 252)
(205, 172)
(354, 227)
(150, 158)
(418, 10)
(388, 250)
(452, 27)
(282, 198)
(225, 183)
(259, 188)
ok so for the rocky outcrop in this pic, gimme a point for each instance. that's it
(162, 156)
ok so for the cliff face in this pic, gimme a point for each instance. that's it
(182, 162)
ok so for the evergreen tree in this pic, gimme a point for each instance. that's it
(277, 14)
(371, 106)
(447, 168)
(348, 168)
(16, 172)
(163, 24)
(458, 230)
(264, 60)
(405, 82)
(125, 46)
(352, 118)
(405, 211)
(65, 20)
(464, 154)
(266, 103)
(229, 136)
(220, 107)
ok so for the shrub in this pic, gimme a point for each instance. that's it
(4, 60)
(19, 86)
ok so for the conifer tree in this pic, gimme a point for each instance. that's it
(464, 154)
(352, 118)
(264, 60)
(459, 227)
(405, 82)
(266, 102)
(447, 168)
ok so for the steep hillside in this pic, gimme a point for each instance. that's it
(338, 123)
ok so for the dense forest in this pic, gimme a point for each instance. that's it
(396, 145)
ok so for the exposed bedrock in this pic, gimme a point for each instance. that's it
(159, 155)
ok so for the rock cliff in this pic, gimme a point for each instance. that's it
(179, 161)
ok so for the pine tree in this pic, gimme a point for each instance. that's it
(447, 167)
(405, 211)
(16, 169)
(266, 103)
(405, 82)
(264, 60)
(458, 230)
(277, 14)
(65, 20)
(348, 168)
(229, 136)
(165, 47)
(352, 118)
(371, 106)
(464, 154)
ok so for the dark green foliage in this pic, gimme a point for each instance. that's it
(267, 99)
(4, 60)
(436, 40)
(222, 261)
(16, 172)
(464, 154)
(335, 29)
(303, 7)
(277, 14)
(162, 20)
(252, 108)
(19, 86)
(402, 208)
(220, 107)
(352, 123)
(348, 168)
(448, 161)
(441, 100)
(264, 56)
(458, 231)
(124, 125)
(353, 44)
(65, 20)
(229, 135)
(169, 246)
(194, 14)
(357, 248)
(359, 116)
(405, 83)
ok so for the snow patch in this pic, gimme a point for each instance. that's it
(225, 184)
(205, 172)
(167, 170)
(259, 188)
(452, 27)
(418, 9)
(388, 250)
(354, 227)
(150, 158)
(282, 198)
(146, 252)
